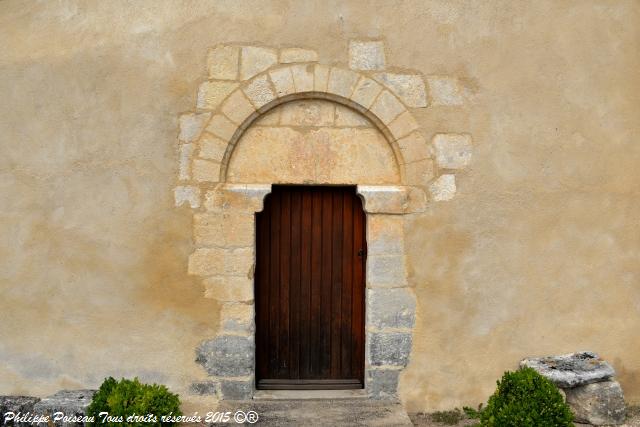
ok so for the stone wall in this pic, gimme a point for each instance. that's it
(539, 236)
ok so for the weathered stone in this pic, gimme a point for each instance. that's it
(419, 172)
(366, 91)
(387, 107)
(445, 91)
(453, 151)
(184, 167)
(302, 77)
(571, 370)
(600, 403)
(227, 356)
(259, 91)
(409, 88)
(237, 107)
(223, 229)
(239, 197)
(414, 148)
(386, 271)
(366, 55)
(69, 402)
(385, 235)
(383, 198)
(342, 82)
(212, 93)
(282, 81)
(205, 170)
(403, 125)
(295, 54)
(307, 113)
(345, 116)
(191, 126)
(212, 147)
(389, 348)
(237, 317)
(222, 62)
(270, 118)
(219, 261)
(187, 194)
(443, 188)
(204, 388)
(255, 59)
(221, 126)
(383, 383)
(229, 288)
(16, 404)
(321, 78)
(236, 390)
(391, 308)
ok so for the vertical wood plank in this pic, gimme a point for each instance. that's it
(325, 327)
(347, 274)
(336, 282)
(316, 285)
(305, 282)
(295, 300)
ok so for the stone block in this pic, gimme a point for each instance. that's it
(204, 388)
(223, 62)
(205, 170)
(296, 54)
(385, 234)
(191, 126)
(443, 188)
(382, 383)
(302, 77)
(187, 194)
(391, 308)
(386, 271)
(342, 82)
(223, 229)
(321, 78)
(282, 81)
(236, 317)
(366, 55)
(221, 126)
(236, 390)
(419, 172)
(383, 198)
(221, 262)
(453, 151)
(571, 370)
(307, 113)
(227, 356)
(255, 60)
(600, 403)
(365, 92)
(409, 88)
(387, 107)
(237, 107)
(389, 348)
(248, 198)
(69, 402)
(184, 164)
(229, 288)
(212, 147)
(259, 91)
(445, 90)
(269, 118)
(403, 125)
(347, 117)
(414, 148)
(212, 93)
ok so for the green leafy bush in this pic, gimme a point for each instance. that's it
(525, 398)
(131, 403)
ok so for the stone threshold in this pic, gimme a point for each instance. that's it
(310, 394)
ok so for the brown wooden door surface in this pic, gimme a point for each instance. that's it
(310, 289)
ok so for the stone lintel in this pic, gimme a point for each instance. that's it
(391, 199)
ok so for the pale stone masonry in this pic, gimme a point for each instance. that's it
(267, 116)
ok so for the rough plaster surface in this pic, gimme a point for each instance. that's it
(542, 235)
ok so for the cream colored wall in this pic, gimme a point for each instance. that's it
(538, 253)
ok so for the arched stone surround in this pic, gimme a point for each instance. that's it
(225, 211)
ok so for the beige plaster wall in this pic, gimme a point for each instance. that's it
(538, 253)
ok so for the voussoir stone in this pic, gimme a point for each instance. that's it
(600, 403)
(212, 93)
(191, 126)
(296, 54)
(227, 356)
(69, 402)
(571, 370)
(409, 88)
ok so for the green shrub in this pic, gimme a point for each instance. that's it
(526, 399)
(126, 398)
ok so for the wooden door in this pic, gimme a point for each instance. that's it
(309, 287)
